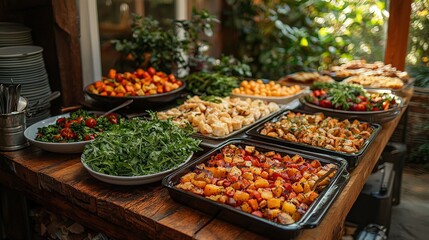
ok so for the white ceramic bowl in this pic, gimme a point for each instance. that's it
(72, 147)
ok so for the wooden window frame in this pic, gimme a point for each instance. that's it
(397, 33)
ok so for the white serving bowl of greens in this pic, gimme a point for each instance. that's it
(139, 151)
(130, 180)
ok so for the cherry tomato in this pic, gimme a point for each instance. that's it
(112, 118)
(317, 93)
(325, 103)
(360, 107)
(151, 71)
(89, 137)
(61, 121)
(362, 98)
(91, 122)
(67, 133)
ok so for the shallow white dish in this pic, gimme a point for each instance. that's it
(279, 100)
(134, 180)
(72, 147)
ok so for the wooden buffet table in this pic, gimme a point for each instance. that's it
(60, 183)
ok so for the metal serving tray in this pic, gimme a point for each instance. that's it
(352, 158)
(213, 141)
(310, 219)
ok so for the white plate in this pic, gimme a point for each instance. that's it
(134, 180)
(279, 100)
(31, 132)
(20, 51)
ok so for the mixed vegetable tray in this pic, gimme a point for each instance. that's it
(272, 190)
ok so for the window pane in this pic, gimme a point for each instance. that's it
(115, 18)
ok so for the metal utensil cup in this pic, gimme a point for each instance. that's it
(12, 127)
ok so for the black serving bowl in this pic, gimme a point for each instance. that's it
(139, 101)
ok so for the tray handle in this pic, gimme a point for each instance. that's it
(315, 217)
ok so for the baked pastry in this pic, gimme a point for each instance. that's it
(376, 81)
(307, 77)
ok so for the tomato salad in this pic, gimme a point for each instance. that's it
(349, 97)
(79, 126)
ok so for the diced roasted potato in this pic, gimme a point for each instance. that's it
(241, 196)
(274, 203)
(289, 208)
(187, 177)
(245, 207)
(211, 189)
(261, 183)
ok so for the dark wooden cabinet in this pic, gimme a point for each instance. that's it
(55, 27)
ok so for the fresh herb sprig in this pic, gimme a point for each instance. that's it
(140, 147)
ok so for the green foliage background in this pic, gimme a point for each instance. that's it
(285, 36)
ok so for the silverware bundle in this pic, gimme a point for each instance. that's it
(9, 97)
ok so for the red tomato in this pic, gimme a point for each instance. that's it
(317, 93)
(61, 121)
(151, 71)
(325, 103)
(360, 107)
(91, 122)
(362, 98)
(67, 133)
(89, 137)
(112, 118)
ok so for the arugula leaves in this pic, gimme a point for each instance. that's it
(139, 147)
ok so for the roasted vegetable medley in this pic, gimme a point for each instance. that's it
(276, 187)
(137, 83)
(79, 126)
(349, 97)
(320, 131)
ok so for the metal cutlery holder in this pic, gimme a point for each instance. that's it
(12, 127)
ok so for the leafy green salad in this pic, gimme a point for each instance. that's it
(140, 147)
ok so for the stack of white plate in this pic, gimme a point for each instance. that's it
(14, 34)
(25, 65)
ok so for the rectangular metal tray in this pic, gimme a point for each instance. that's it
(352, 158)
(310, 219)
(212, 143)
